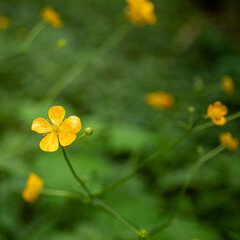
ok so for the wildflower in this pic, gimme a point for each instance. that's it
(140, 12)
(52, 17)
(61, 42)
(33, 188)
(216, 112)
(59, 129)
(4, 22)
(228, 141)
(160, 100)
(228, 85)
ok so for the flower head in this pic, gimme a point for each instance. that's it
(52, 17)
(228, 141)
(4, 22)
(228, 85)
(140, 12)
(60, 129)
(160, 100)
(33, 188)
(217, 112)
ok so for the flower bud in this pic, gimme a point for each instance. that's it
(142, 234)
(88, 131)
(191, 109)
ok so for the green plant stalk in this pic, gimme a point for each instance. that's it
(147, 161)
(210, 124)
(32, 35)
(61, 193)
(185, 186)
(96, 199)
(80, 66)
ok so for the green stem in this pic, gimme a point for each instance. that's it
(32, 35)
(185, 186)
(79, 180)
(97, 200)
(145, 162)
(80, 66)
(80, 137)
(210, 123)
(61, 193)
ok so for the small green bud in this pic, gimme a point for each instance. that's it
(191, 109)
(88, 131)
(142, 234)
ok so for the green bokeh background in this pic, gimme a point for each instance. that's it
(192, 46)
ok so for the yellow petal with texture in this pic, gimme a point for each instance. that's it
(40, 125)
(49, 143)
(66, 138)
(56, 114)
(71, 124)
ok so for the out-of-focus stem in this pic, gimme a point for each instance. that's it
(185, 186)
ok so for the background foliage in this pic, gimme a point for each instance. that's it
(192, 46)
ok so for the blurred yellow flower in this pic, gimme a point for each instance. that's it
(4, 22)
(61, 42)
(228, 85)
(160, 100)
(228, 141)
(59, 129)
(52, 17)
(140, 12)
(217, 113)
(33, 188)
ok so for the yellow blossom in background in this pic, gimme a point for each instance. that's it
(52, 17)
(217, 112)
(228, 85)
(160, 100)
(33, 188)
(4, 22)
(140, 12)
(61, 43)
(59, 129)
(228, 141)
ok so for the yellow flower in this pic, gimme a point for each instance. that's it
(140, 12)
(33, 188)
(61, 42)
(4, 22)
(52, 17)
(228, 85)
(160, 100)
(216, 112)
(228, 141)
(60, 129)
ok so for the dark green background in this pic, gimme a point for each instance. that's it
(192, 46)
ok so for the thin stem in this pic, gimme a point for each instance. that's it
(210, 123)
(185, 186)
(80, 66)
(97, 200)
(115, 214)
(144, 163)
(81, 136)
(32, 35)
(79, 180)
(61, 193)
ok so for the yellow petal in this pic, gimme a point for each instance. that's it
(71, 124)
(66, 138)
(56, 114)
(49, 143)
(40, 125)
(220, 121)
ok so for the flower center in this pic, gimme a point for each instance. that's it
(217, 113)
(55, 129)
